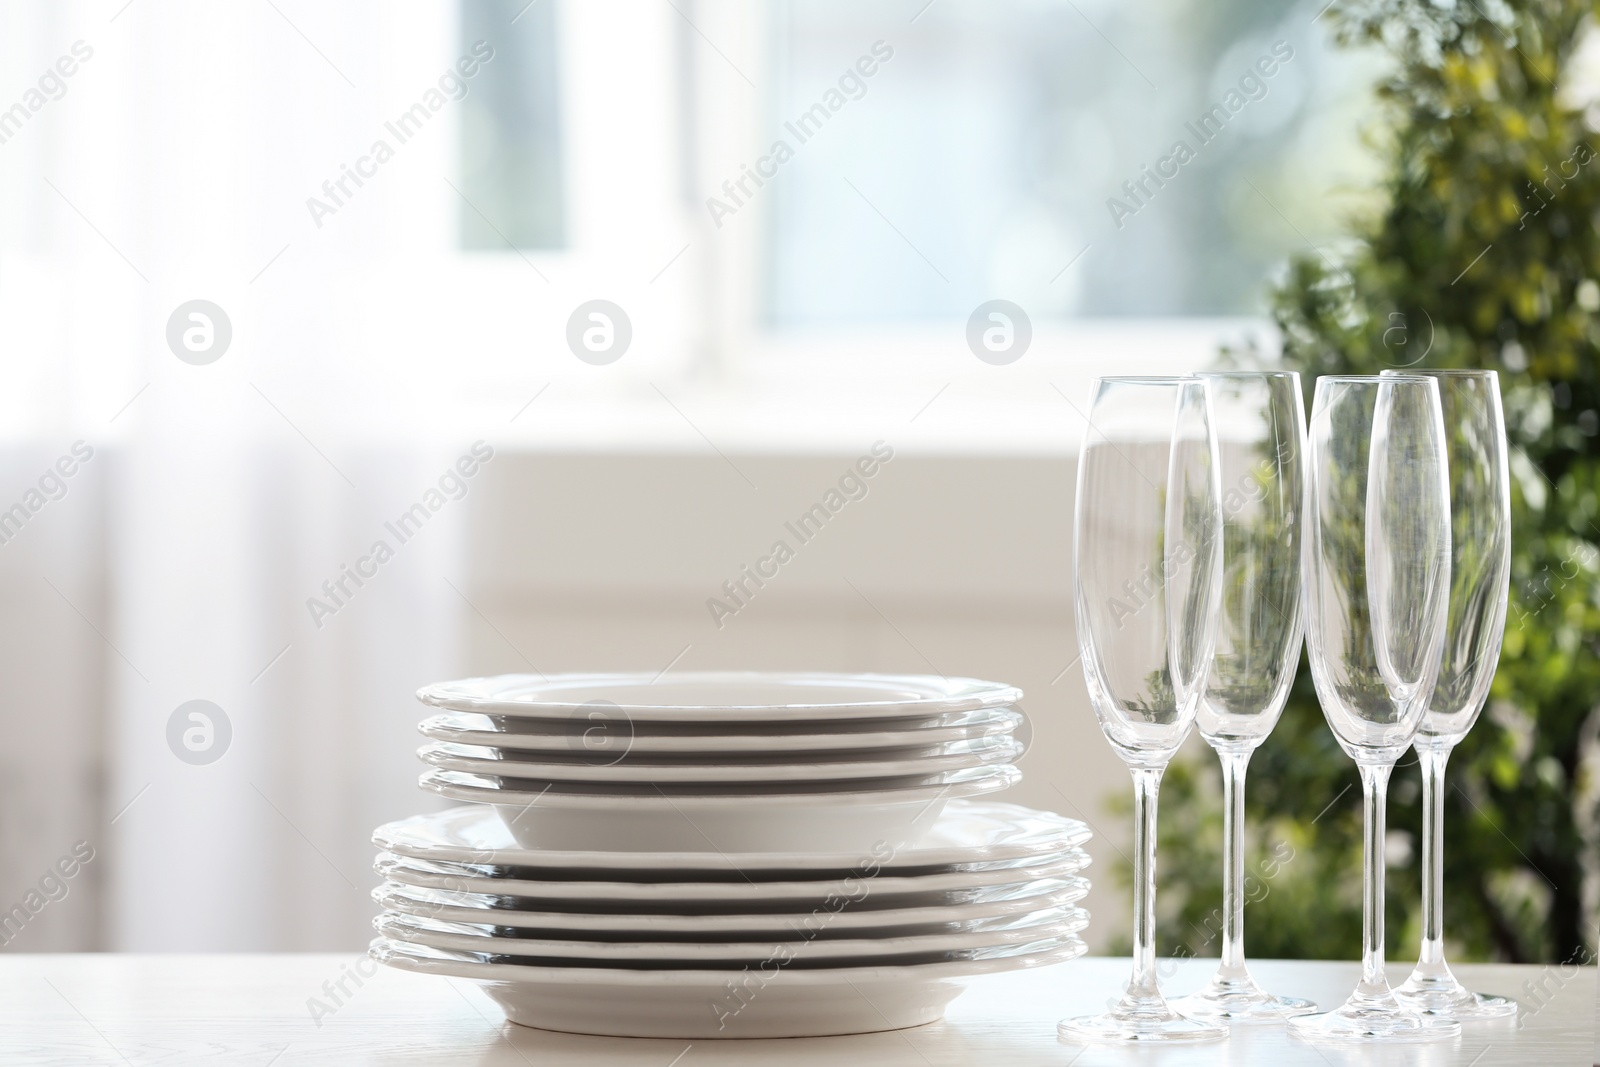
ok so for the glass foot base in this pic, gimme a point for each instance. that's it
(1240, 1001)
(1119, 1027)
(1442, 995)
(1373, 1018)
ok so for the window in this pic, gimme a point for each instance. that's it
(992, 150)
(510, 129)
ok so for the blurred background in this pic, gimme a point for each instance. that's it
(391, 221)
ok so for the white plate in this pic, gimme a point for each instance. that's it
(634, 767)
(986, 904)
(852, 822)
(598, 734)
(768, 1001)
(468, 937)
(671, 793)
(720, 696)
(968, 831)
(852, 888)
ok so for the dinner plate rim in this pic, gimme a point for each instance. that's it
(977, 694)
(1068, 890)
(1076, 833)
(983, 722)
(1071, 948)
(991, 779)
(1007, 750)
(1073, 922)
(395, 869)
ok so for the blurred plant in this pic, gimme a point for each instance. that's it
(1485, 254)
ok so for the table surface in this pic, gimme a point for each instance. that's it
(253, 1009)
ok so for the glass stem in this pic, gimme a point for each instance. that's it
(1432, 761)
(1146, 784)
(1375, 790)
(1233, 771)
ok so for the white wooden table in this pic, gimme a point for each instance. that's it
(236, 1009)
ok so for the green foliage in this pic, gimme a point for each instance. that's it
(1485, 254)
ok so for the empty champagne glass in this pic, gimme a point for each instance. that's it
(1480, 576)
(1147, 560)
(1377, 588)
(1260, 429)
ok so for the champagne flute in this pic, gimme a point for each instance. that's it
(1480, 576)
(1147, 560)
(1377, 588)
(1260, 420)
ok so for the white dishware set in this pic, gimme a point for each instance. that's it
(743, 854)
(725, 854)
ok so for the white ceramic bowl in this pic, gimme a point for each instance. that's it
(852, 822)
(967, 832)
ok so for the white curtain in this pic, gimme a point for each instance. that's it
(175, 166)
(266, 847)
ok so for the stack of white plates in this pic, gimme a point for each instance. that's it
(725, 855)
(692, 945)
(730, 761)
